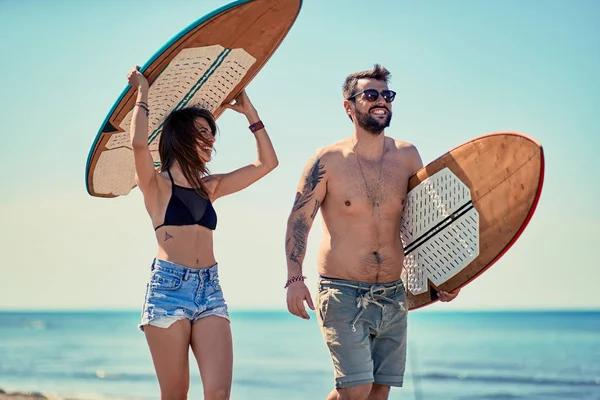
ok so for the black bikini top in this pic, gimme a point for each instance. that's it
(187, 207)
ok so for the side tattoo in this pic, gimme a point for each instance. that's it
(167, 236)
(299, 234)
(312, 179)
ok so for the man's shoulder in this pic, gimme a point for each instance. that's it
(408, 154)
(333, 151)
(403, 145)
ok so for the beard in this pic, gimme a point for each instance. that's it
(372, 125)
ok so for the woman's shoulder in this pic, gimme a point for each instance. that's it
(210, 181)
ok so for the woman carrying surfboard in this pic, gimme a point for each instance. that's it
(184, 305)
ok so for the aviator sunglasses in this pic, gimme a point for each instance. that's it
(372, 95)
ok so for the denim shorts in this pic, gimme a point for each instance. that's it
(364, 327)
(176, 292)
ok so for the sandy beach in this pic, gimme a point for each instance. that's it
(22, 396)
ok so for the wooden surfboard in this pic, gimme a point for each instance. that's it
(207, 64)
(465, 210)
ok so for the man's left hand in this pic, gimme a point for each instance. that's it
(448, 296)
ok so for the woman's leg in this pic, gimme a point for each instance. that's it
(213, 348)
(170, 348)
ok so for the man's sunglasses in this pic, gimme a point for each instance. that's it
(372, 95)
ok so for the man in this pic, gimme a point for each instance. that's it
(360, 185)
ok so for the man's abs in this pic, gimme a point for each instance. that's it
(351, 257)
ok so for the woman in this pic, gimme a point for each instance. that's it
(184, 303)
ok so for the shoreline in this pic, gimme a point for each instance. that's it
(24, 396)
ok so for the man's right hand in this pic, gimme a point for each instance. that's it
(297, 294)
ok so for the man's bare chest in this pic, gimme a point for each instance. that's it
(369, 183)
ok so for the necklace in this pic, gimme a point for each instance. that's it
(375, 201)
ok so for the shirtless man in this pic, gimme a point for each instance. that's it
(360, 185)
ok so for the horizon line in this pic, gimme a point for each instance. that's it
(284, 310)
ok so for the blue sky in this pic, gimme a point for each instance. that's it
(461, 69)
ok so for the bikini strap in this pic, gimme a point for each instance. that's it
(172, 183)
(170, 176)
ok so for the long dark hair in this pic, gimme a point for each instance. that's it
(179, 143)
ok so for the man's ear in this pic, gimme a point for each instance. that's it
(348, 107)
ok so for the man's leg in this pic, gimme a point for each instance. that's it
(379, 392)
(375, 392)
(360, 392)
(350, 350)
(389, 347)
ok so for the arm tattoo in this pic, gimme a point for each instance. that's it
(316, 210)
(312, 179)
(299, 235)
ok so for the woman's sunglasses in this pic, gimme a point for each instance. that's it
(372, 95)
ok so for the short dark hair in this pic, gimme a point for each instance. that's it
(378, 72)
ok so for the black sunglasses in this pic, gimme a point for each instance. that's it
(372, 95)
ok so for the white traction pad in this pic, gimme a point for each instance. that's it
(202, 76)
(439, 230)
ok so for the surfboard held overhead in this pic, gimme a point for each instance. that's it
(207, 64)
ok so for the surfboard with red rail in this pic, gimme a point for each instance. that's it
(465, 210)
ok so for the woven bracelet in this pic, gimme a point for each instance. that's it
(294, 279)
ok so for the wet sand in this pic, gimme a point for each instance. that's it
(23, 396)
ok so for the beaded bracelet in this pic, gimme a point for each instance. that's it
(294, 279)
(143, 106)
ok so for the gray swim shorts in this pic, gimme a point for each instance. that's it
(364, 327)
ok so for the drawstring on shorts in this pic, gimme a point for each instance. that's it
(373, 296)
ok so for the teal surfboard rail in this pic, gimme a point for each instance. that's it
(156, 55)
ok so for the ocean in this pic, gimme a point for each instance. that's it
(451, 355)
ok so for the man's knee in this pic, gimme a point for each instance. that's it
(379, 392)
(360, 392)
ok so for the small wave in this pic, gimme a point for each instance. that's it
(37, 324)
(35, 395)
(474, 365)
(120, 376)
(27, 324)
(554, 394)
(92, 396)
(88, 375)
(256, 383)
(493, 396)
(513, 379)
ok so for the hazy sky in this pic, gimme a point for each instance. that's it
(461, 69)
